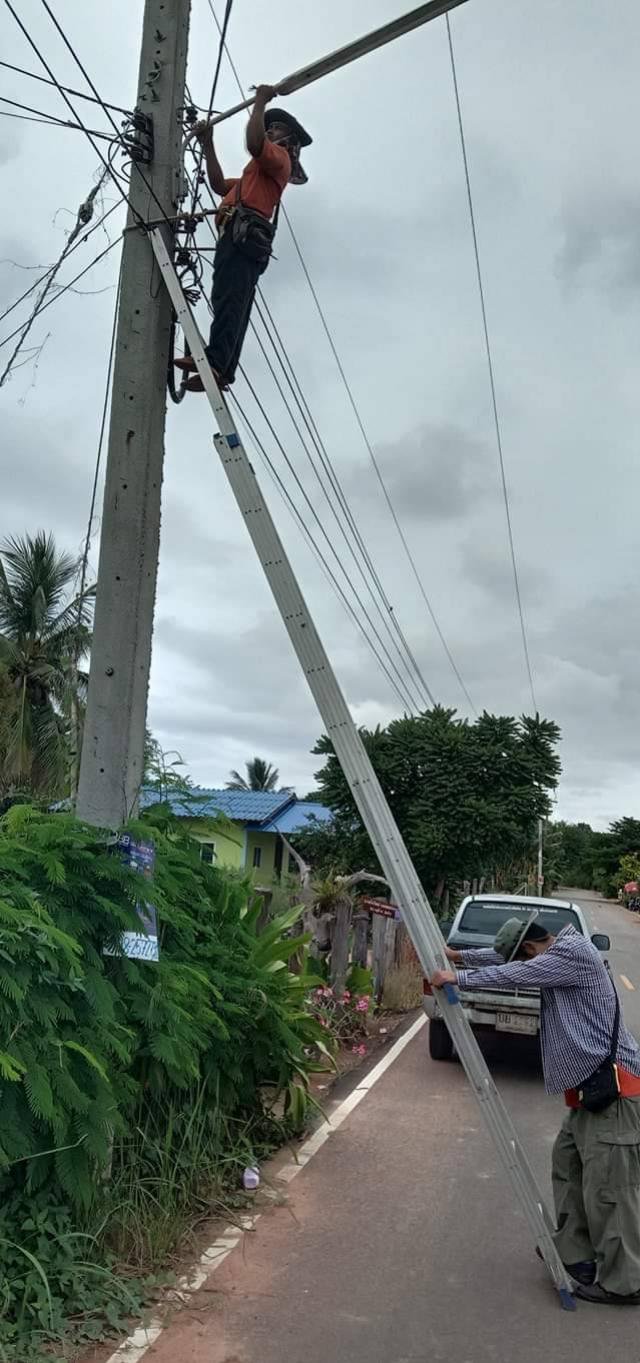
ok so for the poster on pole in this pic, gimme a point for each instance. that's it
(142, 945)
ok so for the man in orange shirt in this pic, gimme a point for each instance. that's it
(246, 221)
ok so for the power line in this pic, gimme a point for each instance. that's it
(84, 216)
(385, 610)
(66, 99)
(494, 400)
(335, 483)
(78, 93)
(329, 574)
(79, 242)
(400, 686)
(407, 698)
(103, 423)
(368, 445)
(214, 85)
(66, 287)
(87, 542)
(62, 91)
(50, 118)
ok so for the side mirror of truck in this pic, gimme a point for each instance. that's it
(601, 941)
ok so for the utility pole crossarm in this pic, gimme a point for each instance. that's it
(353, 51)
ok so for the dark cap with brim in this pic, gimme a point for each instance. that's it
(514, 932)
(281, 116)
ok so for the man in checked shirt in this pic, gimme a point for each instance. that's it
(596, 1156)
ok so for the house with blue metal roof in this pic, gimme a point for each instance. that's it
(243, 828)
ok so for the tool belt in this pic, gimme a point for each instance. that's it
(252, 233)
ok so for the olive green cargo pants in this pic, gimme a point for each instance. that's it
(596, 1190)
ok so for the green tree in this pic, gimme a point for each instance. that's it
(44, 631)
(260, 775)
(591, 858)
(629, 869)
(466, 796)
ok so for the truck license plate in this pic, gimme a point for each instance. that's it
(516, 1022)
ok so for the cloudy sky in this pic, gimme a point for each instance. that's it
(551, 104)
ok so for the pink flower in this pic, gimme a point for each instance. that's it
(323, 1022)
(359, 1050)
(346, 996)
(362, 1005)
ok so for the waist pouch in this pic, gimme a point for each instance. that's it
(602, 1088)
(252, 234)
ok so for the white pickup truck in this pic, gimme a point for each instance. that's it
(499, 1010)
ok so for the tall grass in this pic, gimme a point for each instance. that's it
(179, 1167)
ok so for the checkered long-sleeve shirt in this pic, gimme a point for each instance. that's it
(578, 1006)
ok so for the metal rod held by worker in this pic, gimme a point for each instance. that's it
(380, 36)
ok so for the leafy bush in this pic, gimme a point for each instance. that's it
(110, 1063)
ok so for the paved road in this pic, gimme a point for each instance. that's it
(400, 1242)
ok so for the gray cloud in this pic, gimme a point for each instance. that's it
(487, 563)
(601, 242)
(433, 473)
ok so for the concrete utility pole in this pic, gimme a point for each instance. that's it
(112, 753)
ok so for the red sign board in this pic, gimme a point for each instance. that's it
(380, 906)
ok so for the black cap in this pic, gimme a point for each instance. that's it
(281, 116)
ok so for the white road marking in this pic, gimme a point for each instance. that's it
(627, 983)
(137, 1345)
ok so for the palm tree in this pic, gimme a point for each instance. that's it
(260, 776)
(44, 631)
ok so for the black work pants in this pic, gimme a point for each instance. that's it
(235, 278)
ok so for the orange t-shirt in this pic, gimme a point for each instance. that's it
(262, 182)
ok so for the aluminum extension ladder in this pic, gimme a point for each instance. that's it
(363, 782)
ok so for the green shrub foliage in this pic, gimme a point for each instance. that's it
(93, 1045)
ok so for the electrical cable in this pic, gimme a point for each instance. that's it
(310, 422)
(386, 613)
(492, 385)
(407, 698)
(79, 242)
(100, 101)
(84, 562)
(78, 93)
(328, 572)
(83, 217)
(61, 90)
(68, 103)
(214, 86)
(103, 423)
(50, 118)
(64, 288)
(368, 445)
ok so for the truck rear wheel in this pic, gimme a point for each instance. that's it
(440, 1043)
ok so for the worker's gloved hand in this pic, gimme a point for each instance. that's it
(442, 977)
(204, 132)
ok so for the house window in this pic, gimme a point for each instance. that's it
(208, 852)
(257, 856)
